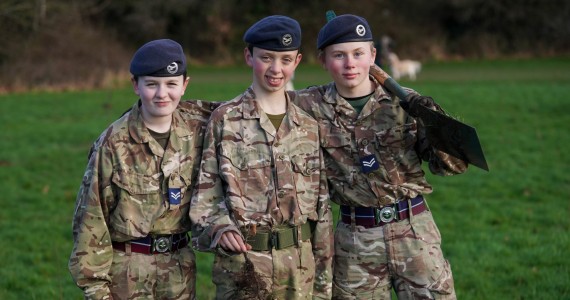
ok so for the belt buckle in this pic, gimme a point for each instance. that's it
(274, 240)
(386, 214)
(162, 244)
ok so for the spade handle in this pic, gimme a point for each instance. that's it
(388, 82)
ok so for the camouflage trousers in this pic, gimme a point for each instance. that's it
(405, 256)
(276, 274)
(159, 276)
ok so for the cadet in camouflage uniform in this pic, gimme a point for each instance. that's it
(373, 148)
(131, 217)
(261, 203)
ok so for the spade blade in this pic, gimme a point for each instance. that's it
(453, 137)
(443, 132)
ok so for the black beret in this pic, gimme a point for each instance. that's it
(161, 58)
(275, 33)
(344, 29)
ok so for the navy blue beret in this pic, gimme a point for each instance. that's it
(275, 33)
(344, 29)
(161, 58)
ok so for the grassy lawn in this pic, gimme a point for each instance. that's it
(505, 232)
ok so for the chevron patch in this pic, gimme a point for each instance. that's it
(369, 163)
(174, 196)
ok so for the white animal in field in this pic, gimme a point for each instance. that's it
(402, 68)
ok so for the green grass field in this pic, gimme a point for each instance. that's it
(505, 232)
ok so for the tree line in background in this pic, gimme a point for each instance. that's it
(55, 44)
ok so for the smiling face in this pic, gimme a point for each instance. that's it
(159, 95)
(271, 69)
(349, 65)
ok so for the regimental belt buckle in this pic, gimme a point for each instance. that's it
(162, 244)
(386, 214)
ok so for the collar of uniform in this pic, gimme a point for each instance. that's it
(178, 130)
(379, 97)
(340, 105)
(330, 93)
(140, 134)
(137, 130)
(292, 110)
(380, 93)
(250, 109)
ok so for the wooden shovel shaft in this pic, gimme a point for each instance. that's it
(388, 82)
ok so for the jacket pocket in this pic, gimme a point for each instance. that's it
(394, 140)
(395, 147)
(138, 196)
(248, 176)
(336, 142)
(306, 172)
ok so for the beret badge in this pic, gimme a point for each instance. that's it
(360, 30)
(287, 39)
(172, 68)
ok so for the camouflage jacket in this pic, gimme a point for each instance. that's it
(123, 195)
(253, 175)
(383, 131)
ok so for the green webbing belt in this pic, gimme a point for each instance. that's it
(280, 238)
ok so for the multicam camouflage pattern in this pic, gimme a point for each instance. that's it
(398, 142)
(410, 257)
(254, 176)
(123, 193)
(166, 276)
(382, 129)
(270, 275)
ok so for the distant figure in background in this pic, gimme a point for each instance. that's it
(378, 60)
(383, 48)
(403, 68)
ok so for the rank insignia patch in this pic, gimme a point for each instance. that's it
(369, 163)
(174, 196)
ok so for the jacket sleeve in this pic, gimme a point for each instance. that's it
(209, 213)
(92, 253)
(322, 240)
